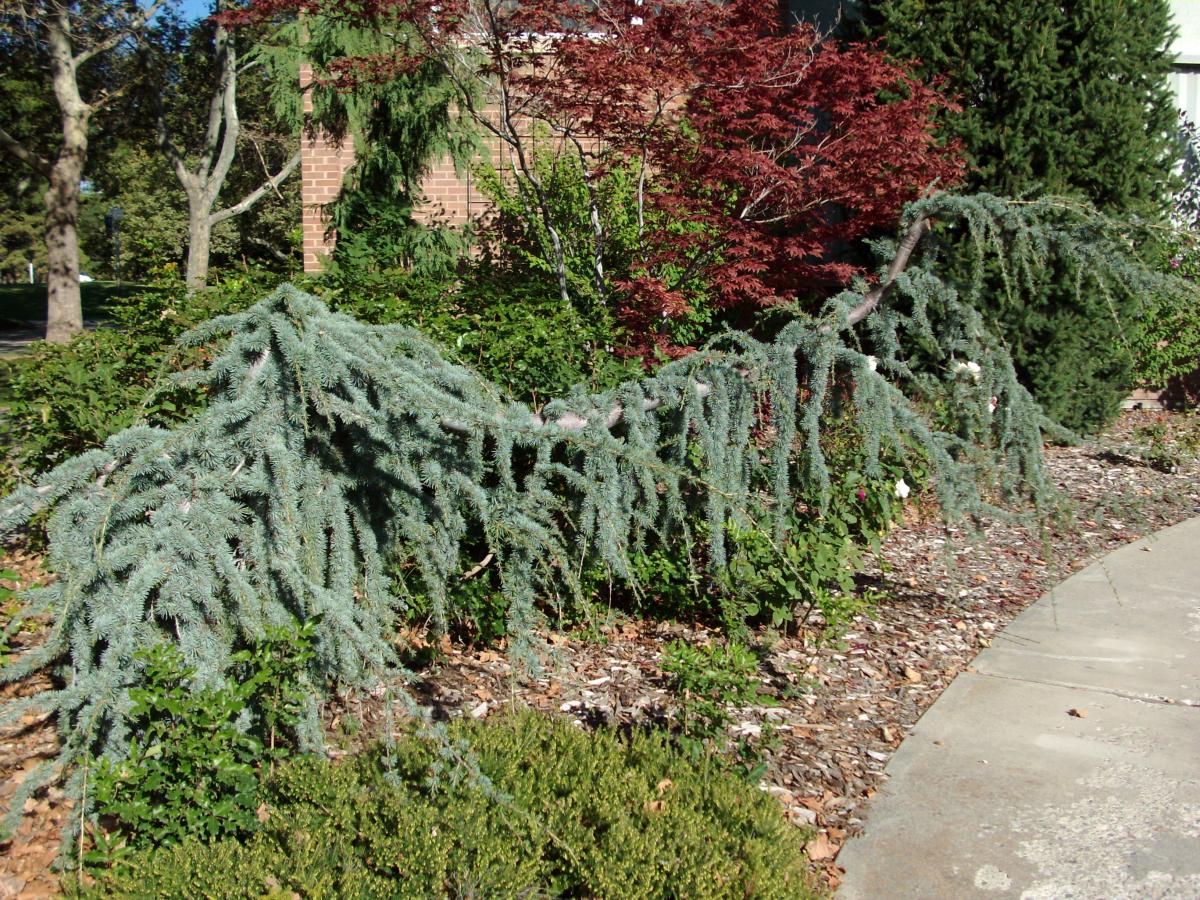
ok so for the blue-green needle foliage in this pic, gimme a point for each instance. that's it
(328, 446)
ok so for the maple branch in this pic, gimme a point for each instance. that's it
(271, 184)
(39, 164)
(133, 26)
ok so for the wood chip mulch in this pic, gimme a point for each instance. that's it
(839, 709)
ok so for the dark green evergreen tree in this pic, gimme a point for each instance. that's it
(1066, 99)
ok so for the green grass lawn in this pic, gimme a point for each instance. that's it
(23, 303)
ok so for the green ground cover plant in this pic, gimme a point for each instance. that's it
(559, 812)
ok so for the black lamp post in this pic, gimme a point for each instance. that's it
(112, 224)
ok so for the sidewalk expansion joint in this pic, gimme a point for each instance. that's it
(1157, 699)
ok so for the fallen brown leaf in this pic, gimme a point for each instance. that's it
(820, 848)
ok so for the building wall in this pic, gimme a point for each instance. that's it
(1185, 80)
(322, 165)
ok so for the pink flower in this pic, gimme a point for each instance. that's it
(1175, 263)
(861, 494)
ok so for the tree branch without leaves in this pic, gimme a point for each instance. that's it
(39, 164)
(131, 28)
(254, 196)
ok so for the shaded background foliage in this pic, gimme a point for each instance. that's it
(1069, 100)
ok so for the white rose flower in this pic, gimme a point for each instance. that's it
(902, 489)
(872, 363)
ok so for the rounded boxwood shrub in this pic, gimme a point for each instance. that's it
(570, 814)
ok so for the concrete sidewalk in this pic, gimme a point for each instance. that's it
(1067, 765)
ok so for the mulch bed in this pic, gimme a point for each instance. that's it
(840, 708)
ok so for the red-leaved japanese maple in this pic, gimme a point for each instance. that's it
(780, 151)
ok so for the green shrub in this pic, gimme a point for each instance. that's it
(707, 680)
(571, 814)
(515, 332)
(192, 769)
(64, 399)
(812, 569)
(189, 771)
(1169, 344)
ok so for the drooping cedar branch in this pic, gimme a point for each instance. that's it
(875, 296)
(323, 457)
(870, 301)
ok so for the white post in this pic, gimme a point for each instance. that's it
(31, 273)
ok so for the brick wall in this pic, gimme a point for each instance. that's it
(322, 165)
(450, 200)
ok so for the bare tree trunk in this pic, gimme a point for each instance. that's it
(203, 179)
(100, 28)
(64, 308)
(199, 239)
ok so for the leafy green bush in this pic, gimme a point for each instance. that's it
(1169, 343)
(520, 247)
(64, 399)
(570, 814)
(192, 767)
(516, 333)
(189, 769)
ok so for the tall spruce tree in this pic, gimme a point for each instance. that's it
(1068, 99)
